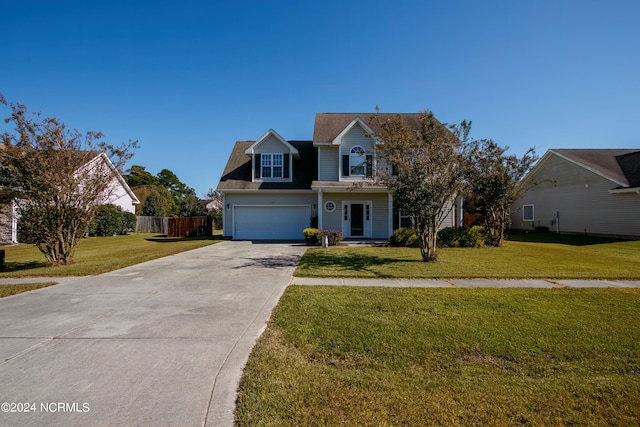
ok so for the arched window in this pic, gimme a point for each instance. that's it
(357, 161)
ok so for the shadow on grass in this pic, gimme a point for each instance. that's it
(565, 239)
(350, 262)
(162, 238)
(21, 266)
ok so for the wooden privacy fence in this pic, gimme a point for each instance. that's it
(194, 226)
(152, 224)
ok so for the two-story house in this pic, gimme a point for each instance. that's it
(274, 188)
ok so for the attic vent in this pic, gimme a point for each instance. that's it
(527, 213)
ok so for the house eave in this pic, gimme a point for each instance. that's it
(628, 190)
(265, 190)
(341, 186)
(293, 150)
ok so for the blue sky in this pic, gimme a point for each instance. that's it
(187, 79)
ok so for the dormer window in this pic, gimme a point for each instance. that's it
(357, 161)
(272, 165)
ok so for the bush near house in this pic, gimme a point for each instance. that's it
(110, 220)
(462, 237)
(450, 237)
(313, 236)
(405, 237)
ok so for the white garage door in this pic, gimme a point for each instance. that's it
(270, 222)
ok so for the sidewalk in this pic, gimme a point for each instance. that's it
(468, 283)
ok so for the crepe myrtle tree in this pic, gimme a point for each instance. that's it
(58, 177)
(495, 179)
(425, 170)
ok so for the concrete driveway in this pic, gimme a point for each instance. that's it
(160, 343)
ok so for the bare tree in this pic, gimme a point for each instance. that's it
(58, 178)
(425, 170)
(494, 178)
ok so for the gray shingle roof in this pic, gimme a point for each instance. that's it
(619, 165)
(329, 125)
(237, 173)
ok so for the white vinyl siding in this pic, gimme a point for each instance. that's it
(356, 136)
(328, 163)
(379, 211)
(271, 145)
(582, 199)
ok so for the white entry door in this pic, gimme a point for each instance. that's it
(356, 220)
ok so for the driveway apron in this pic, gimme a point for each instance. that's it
(159, 343)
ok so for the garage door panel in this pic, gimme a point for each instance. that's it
(271, 222)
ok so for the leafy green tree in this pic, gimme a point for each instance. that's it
(167, 206)
(154, 205)
(137, 176)
(425, 170)
(494, 178)
(190, 204)
(58, 177)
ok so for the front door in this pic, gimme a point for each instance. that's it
(357, 220)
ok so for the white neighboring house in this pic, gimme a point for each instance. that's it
(118, 193)
(585, 191)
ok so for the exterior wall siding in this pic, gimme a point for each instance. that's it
(357, 136)
(261, 198)
(582, 199)
(328, 164)
(271, 145)
(379, 211)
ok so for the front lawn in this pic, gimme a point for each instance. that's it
(523, 256)
(8, 290)
(97, 255)
(389, 356)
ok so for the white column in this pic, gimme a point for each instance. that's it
(390, 207)
(320, 208)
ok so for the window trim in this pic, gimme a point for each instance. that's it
(357, 152)
(524, 212)
(269, 162)
(402, 216)
(330, 206)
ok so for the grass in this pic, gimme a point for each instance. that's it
(97, 255)
(389, 356)
(8, 290)
(532, 255)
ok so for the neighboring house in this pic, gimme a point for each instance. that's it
(582, 191)
(118, 194)
(274, 188)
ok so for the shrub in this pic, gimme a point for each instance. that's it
(462, 237)
(129, 221)
(313, 236)
(107, 222)
(405, 237)
(335, 236)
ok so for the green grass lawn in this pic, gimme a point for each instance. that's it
(389, 356)
(524, 256)
(8, 290)
(97, 255)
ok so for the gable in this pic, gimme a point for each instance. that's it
(328, 126)
(271, 142)
(237, 174)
